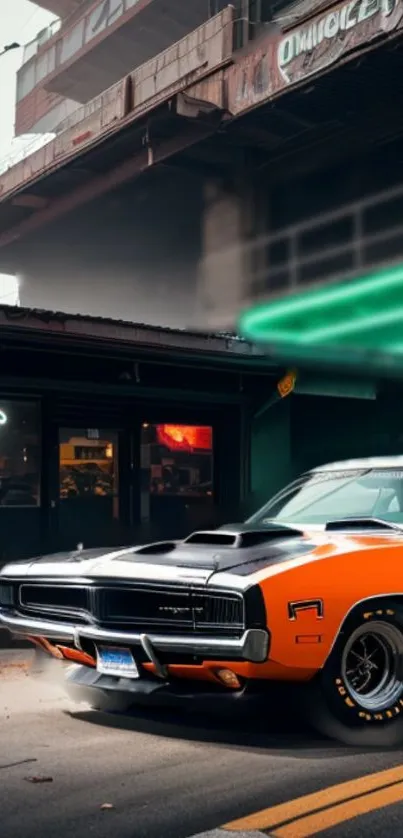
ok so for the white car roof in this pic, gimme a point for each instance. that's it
(363, 463)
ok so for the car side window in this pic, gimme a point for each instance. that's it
(393, 505)
(387, 502)
(361, 499)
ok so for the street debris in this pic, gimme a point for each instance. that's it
(20, 762)
(106, 806)
(8, 668)
(39, 779)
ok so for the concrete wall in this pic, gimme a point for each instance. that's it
(158, 251)
(131, 256)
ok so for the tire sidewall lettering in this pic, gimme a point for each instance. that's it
(336, 689)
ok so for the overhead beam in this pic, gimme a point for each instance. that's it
(150, 155)
(122, 390)
(29, 201)
(293, 119)
(256, 136)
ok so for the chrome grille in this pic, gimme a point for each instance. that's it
(54, 599)
(137, 606)
(171, 607)
(219, 610)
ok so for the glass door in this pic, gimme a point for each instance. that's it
(89, 509)
(177, 491)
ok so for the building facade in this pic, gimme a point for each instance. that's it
(89, 47)
(206, 172)
(112, 433)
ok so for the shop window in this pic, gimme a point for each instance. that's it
(20, 453)
(177, 460)
(88, 464)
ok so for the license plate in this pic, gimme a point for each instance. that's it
(118, 662)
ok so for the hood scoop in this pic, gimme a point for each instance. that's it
(242, 536)
(235, 536)
(229, 547)
(156, 549)
(361, 524)
(226, 547)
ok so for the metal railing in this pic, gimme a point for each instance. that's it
(31, 48)
(15, 155)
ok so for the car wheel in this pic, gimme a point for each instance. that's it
(358, 696)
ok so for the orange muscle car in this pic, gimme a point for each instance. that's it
(307, 592)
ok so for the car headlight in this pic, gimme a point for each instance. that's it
(6, 594)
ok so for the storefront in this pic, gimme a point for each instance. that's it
(112, 433)
(134, 475)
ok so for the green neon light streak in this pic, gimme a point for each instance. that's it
(364, 314)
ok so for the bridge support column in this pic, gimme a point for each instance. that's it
(233, 224)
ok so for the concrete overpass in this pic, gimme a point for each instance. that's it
(163, 200)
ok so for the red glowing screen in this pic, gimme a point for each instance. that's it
(185, 437)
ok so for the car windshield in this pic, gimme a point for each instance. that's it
(322, 496)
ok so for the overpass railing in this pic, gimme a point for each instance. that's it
(199, 54)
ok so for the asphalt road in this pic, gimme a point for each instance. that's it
(175, 775)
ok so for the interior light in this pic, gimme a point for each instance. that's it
(185, 437)
(3, 417)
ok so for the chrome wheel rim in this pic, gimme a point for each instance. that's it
(370, 668)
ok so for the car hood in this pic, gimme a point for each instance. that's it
(197, 558)
(236, 550)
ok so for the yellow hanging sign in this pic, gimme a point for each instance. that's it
(286, 384)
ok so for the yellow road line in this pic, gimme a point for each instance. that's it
(311, 803)
(312, 824)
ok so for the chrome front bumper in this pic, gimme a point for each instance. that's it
(253, 646)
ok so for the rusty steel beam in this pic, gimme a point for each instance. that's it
(149, 156)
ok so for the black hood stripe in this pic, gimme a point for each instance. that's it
(241, 562)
